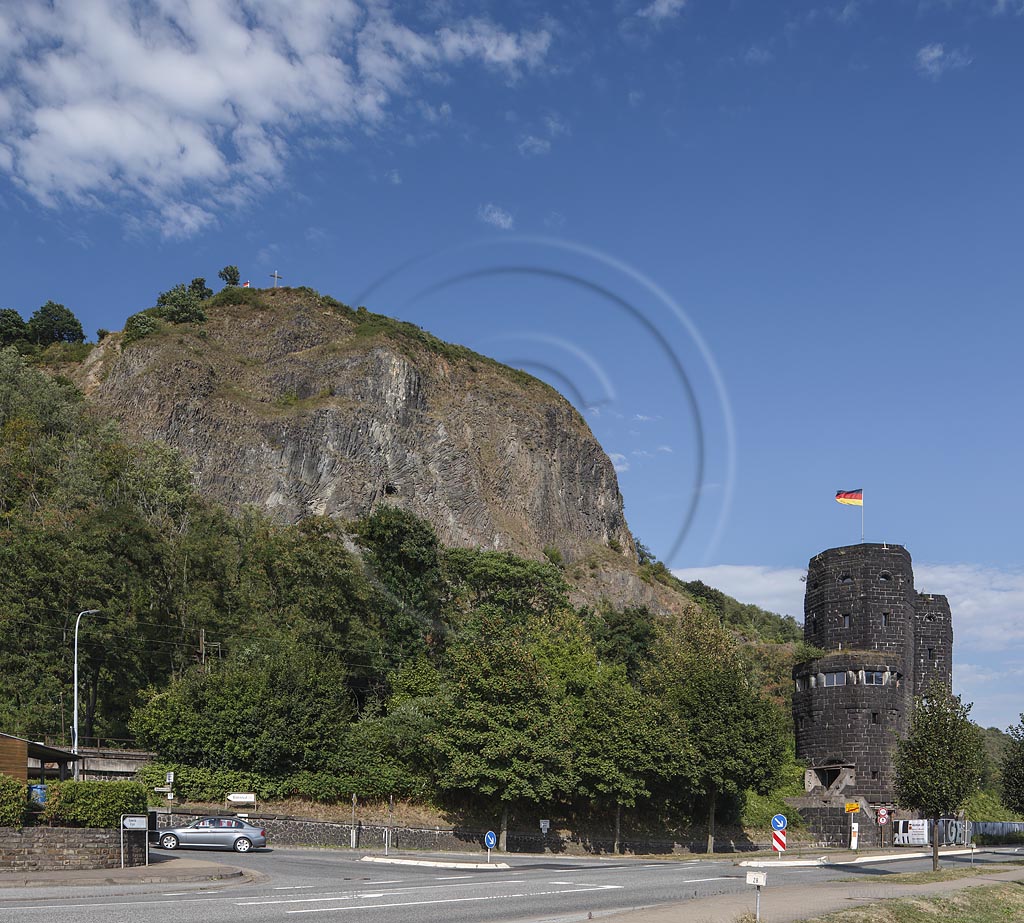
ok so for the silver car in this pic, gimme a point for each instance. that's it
(215, 832)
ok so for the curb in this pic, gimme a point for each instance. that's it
(225, 873)
(860, 860)
(475, 866)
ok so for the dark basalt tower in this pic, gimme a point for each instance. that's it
(885, 643)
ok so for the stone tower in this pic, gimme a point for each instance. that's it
(885, 642)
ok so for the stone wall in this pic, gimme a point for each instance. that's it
(290, 831)
(75, 848)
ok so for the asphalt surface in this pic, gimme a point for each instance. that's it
(295, 884)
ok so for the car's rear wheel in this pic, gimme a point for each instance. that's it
(168, 841)
(243, 844)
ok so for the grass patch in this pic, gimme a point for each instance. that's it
(998, 904)
(923, 878)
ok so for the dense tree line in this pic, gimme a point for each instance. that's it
(329, 657)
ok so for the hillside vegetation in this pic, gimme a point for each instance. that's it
(326, 657)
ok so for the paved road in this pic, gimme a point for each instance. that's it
(333, 885)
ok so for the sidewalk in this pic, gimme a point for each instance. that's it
(800, 902)
(162, 869)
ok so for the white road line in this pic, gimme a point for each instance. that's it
(451, 877)
(294, 887)
(689, 881)
(455, 900)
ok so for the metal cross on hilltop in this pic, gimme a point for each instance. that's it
(276, 276)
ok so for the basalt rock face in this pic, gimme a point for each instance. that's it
(300, 406)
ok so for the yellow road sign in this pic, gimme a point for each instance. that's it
(852, 807)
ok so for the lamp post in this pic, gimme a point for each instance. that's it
(74, 732)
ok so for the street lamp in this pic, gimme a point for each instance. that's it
(74, 732)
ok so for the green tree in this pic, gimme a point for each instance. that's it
(200, 289)
(404, 555)
(268, 708)
(229, 275)
(623, 743)
(503, 731)
(53, 323)
(939, 763)
(180, 305)
(12, 327)
(1013, 769)
(738, 738)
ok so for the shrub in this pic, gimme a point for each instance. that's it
(92, 804)
(181, 305)
(13, 801)
(553, 555)
(140, 325)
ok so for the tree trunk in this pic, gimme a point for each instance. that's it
(935, 845)
(618, 828)
(712, 798)
(503, 830)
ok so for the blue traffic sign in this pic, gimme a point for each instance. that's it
(779, 822)
(490, 839)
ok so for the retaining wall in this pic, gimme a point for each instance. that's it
(289, 831)
(76, 848)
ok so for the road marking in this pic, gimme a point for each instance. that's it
(690, 881)
(455, 900)
(451, 877)
(294, 887)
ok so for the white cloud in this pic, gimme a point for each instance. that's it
(619, 461)
(495, 215)
(175, 110)
(775, 589)
(635, 97)
(393, 177)
(933, 60)
(658, 10)
(532, 146)
(667, 449)
(757, 55)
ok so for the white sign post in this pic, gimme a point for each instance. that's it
(759, 879)
(854, 831)
(490, 839)
(134, 822)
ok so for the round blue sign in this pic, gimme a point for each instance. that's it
(490, 839)
(779, 822)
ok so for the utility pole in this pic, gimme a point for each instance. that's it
(74, 733)
(202, 648)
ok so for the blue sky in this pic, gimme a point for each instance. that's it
(771, 250)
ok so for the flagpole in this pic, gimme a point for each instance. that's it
(862, 517)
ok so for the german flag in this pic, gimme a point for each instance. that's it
(850, 497)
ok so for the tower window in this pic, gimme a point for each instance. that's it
(845, 579)
(846, 621)
(931, 653)
(885, 619)
(874, 773)
(835, 679)
(874, 678)
(885, 576)
(875, 718)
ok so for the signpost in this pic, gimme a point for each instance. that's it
(854, 834)
(779, 834)
(545, 826)
(490, 839)
(134, 822)
(852, 807)
(758, 879)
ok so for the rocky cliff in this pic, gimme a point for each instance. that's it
(294, 403)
